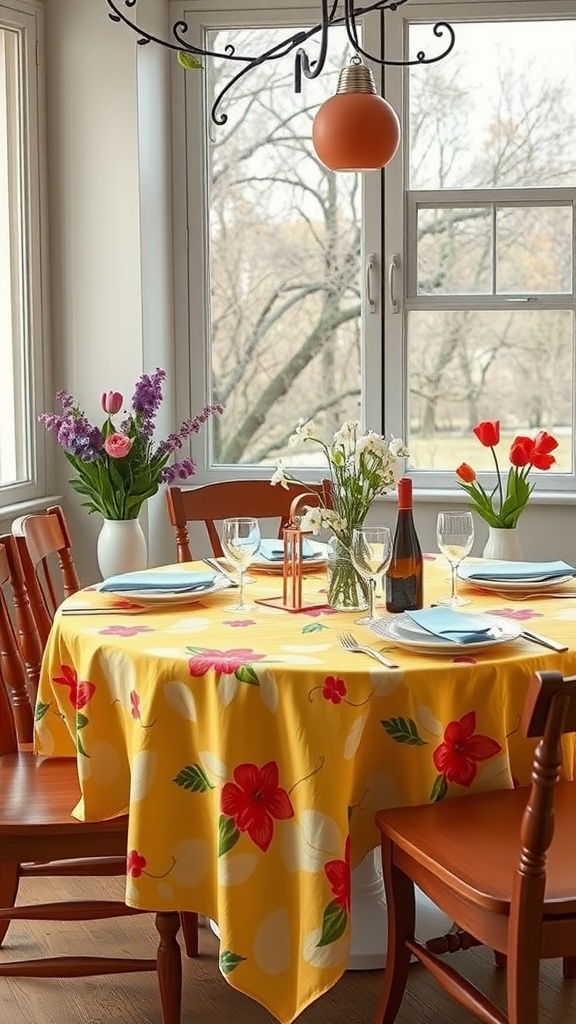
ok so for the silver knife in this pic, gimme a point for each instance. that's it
(544, 641)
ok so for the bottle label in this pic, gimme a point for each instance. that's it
(404, 593)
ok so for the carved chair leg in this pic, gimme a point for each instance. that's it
(9, 878)
(569, 967)
(189, 924)
(401, 923)
(169, 961)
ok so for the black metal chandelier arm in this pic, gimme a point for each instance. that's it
(275, 52)
(302, 63)
(179, 30)
(438, 29)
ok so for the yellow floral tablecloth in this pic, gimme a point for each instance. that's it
(251, 752)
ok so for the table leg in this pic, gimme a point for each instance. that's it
(368, 916)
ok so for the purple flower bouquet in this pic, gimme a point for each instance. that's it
(118, 468)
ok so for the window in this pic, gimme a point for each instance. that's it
(279, 330)
(20, 291)
(421, 300)
(486, 324)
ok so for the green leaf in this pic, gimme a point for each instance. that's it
(81, 720)
(246, 674)
(228, 834)
(229, 961)
(80, 747)
(194, 778)
(403, 730)
(334, 924)
(439, 789)
(188, 61)
(314, 627)
(41, 710)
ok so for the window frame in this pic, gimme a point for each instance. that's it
(27, 18)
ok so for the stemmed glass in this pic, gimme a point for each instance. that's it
(371, 553)
(455, 534)
(240, 540)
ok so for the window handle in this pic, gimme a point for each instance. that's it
(370, 266)
(394, 263)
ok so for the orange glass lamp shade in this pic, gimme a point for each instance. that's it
(356, 130)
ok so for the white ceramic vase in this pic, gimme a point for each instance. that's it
(121, 547)
(503, 545)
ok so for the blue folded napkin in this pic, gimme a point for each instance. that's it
(515, 571)
(273, 550)
(168, 582)
(454, 626)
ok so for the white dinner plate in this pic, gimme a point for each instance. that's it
(404, 632)
(518, 586)
(167, 597)
(311, 564)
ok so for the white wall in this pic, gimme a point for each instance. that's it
(110, 243)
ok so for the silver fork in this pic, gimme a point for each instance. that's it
(351, 644)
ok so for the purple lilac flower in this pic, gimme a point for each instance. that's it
(77, 436)
(66, 401)
(147, 399)
(174, 441)
(51, 420)
(178, 471)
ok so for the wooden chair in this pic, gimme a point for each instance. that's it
(36, 799)
(13, 594)
(501, 864)
(43, 549)
(213, 502)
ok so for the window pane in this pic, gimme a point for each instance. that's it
(470, 365)
(14, 444)
(284, 241)
(534, 249)
(499, 111)
(455, 251)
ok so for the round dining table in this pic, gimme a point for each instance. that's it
(251, 751)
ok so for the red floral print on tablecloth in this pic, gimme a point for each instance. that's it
(226, 662)
(254, 799)
(80, 693)
(457, 757)
(338, 874)
(135, 864)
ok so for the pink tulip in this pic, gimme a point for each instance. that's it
(118, 446)
(112, 402)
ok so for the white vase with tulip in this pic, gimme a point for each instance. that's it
(121, 547)
(501, 507)
(503, 545)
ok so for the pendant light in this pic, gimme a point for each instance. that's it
(356, 130)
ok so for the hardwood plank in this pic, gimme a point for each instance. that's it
(133, 999)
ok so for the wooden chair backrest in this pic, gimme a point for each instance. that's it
(549, 712)
(213, 502)
(16, 716)
(42, 540)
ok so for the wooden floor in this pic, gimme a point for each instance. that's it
(207, 998)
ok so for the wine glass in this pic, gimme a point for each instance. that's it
(371, 552)
(455, 535)
(240, 540)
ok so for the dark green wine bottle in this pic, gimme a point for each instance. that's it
(404, 579)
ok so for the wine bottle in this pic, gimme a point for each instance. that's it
(404, 576)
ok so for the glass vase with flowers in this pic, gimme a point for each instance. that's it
(362, 465)
(119, 466)
(502, 507)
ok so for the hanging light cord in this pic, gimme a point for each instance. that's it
(303, 66)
